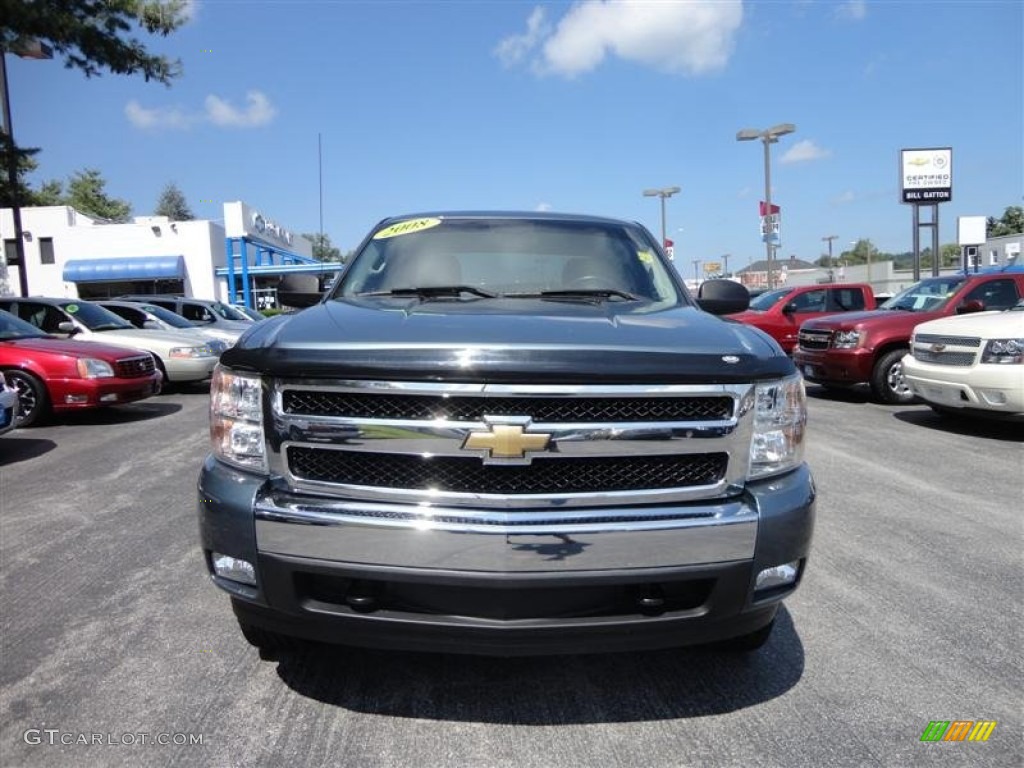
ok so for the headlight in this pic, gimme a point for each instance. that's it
(90, 368)
(236, 419)
(780, 415)
(1003, 351)
(192, 352)
(846, 339)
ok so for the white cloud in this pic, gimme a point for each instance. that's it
(160, 117)
(258, 112)
(217, 111)
(691, 37)
(542, 207)
(845, 198)
(514, 48)
(804, 151)
(856, 10)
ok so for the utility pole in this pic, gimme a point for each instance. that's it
(829, 239)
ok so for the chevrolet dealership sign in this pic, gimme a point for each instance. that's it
(241, 220)
(926, 175)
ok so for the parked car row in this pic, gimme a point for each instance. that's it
(60, 354)
(952, 341)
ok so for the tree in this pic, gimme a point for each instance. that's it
(1011, 222)
(50, 193)
(322, 248)
(26, 164)
(86, 194)
(96, 35)
(173, 205)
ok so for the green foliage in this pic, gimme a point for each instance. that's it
(50, 193)
(173, 205)
(96, 35)
(1011, 222)
(86, 193)
(25, 164)
(322, 248)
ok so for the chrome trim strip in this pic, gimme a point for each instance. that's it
(439, 537)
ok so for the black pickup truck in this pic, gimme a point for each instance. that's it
(508, 434)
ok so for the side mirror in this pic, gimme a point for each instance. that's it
(67, 327)
(789, 309)
(152, 325)
(966, 307)
(722, 297)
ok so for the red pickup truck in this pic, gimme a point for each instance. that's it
(780, 313)
(868, 347)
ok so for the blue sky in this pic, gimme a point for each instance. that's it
(557, 106)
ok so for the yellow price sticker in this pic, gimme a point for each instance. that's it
(406, 227)
(646, 257)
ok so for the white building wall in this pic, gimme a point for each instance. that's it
(76, 236)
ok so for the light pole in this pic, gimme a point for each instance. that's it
(32, 49)
(662, 193)
(725, 264)
(867, 254)
(829, 239)
(768, 136)
(696, 275)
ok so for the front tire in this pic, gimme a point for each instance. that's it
(33, 400)
(887, 382)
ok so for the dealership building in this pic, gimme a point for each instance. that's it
(244, 258)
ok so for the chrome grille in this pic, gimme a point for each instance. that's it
(960, 359)
(476, 445)
(814, 339)
(134, 367)
(540, 409)
(954, 341)
(543, 476)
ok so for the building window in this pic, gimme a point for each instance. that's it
(11, 252)
(46, 251)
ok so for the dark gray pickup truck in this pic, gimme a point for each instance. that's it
(508, 434)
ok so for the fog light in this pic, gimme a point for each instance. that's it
(111, 398)
(233, 568)
(778, 576)
(76, 398)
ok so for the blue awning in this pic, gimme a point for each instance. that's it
(123, 268)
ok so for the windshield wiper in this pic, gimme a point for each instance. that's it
(433, 292)
(585, 293)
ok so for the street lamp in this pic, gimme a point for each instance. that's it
(696, 276)
(662, 193)
(31, 49)
(725, 264)
(829, 239)
(768, 137)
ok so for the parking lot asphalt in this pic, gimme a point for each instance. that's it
(111, 634)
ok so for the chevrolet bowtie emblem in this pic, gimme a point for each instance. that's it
(506, 441)
(938, 347)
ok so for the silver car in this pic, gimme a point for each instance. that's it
(203, 313)
(8, 405)
(157, 318)
(181, 357)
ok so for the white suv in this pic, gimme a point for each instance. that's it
(970, 363)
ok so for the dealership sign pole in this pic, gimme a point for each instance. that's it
(926, 179)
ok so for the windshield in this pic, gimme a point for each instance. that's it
(228, 312)
(94, 317)
(766, 301)
(926, 296)
(171, 318)
(12, 327)
(252, 314)
(512, 259)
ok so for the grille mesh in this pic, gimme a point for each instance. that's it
(959, 341)
(959, 359)
(470, 475)
(133, 367)
(814, 339)
(539, 409)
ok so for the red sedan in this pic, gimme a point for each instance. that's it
(54, 375)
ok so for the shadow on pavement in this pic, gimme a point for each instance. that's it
(551, 690)
(117, 414)
(855, 394)
(967, 424)
(15, 448)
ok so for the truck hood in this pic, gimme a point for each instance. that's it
(508, 340)
(872, 319)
